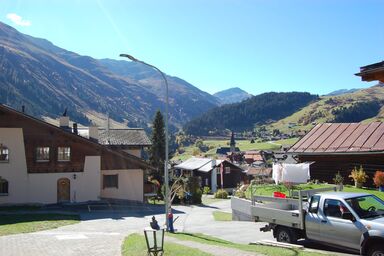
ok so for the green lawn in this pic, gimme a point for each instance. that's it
(207, 200)
(26, 223)
(267, 190)
(266, 250)
(135, 245)
(222, 216)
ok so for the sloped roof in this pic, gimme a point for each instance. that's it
(193, 163)
(341, 138)
(202, 164)
(126, 137)
(372, 72)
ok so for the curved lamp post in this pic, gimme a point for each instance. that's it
(166, 131)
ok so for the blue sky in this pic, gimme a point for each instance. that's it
(257, 45)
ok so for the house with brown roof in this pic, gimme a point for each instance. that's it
(130, 140)
(340, 147)
(212, 171)
(43, 163)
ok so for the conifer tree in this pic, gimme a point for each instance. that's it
(157, 150)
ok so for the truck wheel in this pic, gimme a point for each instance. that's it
(286, 235)
(376, 250)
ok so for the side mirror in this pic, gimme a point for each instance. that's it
(348, 216)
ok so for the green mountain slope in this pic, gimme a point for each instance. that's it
(243, 116)
(325, 110)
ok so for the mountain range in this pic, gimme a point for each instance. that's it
(47, 79)
(232, 95)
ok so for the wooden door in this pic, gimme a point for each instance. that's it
(63, 190)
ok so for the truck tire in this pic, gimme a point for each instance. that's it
(376, 250)
(286, 235)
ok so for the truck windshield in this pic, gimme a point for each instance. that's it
(367, 206)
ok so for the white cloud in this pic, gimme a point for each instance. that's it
(18, 20)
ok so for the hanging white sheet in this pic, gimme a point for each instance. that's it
(277, 173)
(296, 173)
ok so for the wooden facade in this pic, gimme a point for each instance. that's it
(232, 176)
(325, 167)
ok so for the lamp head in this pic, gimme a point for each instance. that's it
(128, 56)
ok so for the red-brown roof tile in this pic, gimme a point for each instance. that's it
(342, 138)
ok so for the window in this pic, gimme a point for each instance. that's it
(111, 181)
(314, 206)
(63, 153)
(4, 153)
(227, 170)
(334, 208)
(3, 187)
(42, 154)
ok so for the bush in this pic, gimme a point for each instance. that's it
(196, 197)
(338, 179)
(206, 190)
(359, 176)
(221, 193)
(378, 179)
(239, 193)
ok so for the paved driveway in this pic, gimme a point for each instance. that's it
(102, 232)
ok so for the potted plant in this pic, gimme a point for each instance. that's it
(378, 179)
(359, 176)
(338, 179)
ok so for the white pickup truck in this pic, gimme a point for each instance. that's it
(354, 221)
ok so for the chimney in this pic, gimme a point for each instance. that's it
(93, 131)
(23, 109)
(64, 122)
(75, 131)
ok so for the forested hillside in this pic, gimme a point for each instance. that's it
(243, 116)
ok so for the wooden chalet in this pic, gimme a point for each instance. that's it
(340, 147)
(49, 164)
(210, 172)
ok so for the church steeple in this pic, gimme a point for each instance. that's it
(232, 144)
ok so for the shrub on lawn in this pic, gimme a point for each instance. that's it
(206, 190)
(378, 179)
(359, 176)
(221, 193)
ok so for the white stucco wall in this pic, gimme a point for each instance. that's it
(15, 171)
(130, 185)
(42, 187)
(86, 186)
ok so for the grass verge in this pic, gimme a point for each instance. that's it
(207, 200)
(26, 223)
(222, 216)
(266, 250)
(134, 245)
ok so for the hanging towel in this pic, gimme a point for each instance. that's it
(277, 174)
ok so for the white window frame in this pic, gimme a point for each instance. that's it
(43, 154)
(4, 151)
(2, 181)
(117, 181)
(64, 152)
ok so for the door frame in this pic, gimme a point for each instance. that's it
(59, 191)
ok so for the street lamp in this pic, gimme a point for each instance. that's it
(166, 132)
(155, 241)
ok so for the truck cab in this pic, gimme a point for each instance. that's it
(350, 220)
